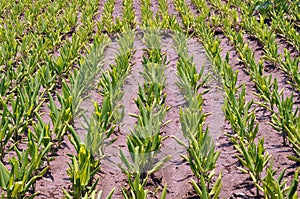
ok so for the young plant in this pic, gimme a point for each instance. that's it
(201, 156)
(81, 172)
(291, 67)
(112, 81)
(148, 19)
(240, 116)
(137, 189)
(86, 164)
(128, 18)
(107, 18)
(144, 142)
(285, 117)
(186, 14)
(24, 171)
(254, 158)
(293, 132)
(202, 190)
(60, 117)
(277, 188)
(6, 131)
(99, 129)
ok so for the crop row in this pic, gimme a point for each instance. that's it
(32, 80)
(284, 117)
(144, 141)
(201, 154)
(252, 156)
(266, 36)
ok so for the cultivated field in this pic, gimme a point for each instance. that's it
(143, 99)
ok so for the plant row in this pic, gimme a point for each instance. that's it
(240, 115)
(201, 154)
(102, 123)
(145, 140)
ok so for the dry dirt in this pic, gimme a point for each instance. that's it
(176, 173)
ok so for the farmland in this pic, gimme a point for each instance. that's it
(149, 99)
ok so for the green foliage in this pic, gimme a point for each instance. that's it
(190, 81)
(168, 21)
(36, 58)
(81, 172)
(23, 174)
(240, 116)
(147, 14)
(128, 18)
(144, 142)
(94, 195)
(254, 158)
(99, 129)
(293, 135)
(107, 19)
(285, 117)
(42, 67)
(291, 66)
(201, 157)
(277, 188)
(137, 189)
(202, 190)
(186, 14)
(267, 87)
(201, 154)
(6, 132)
(112, 81)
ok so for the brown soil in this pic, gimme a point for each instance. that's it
(176, 173)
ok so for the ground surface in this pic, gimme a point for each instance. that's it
(176, 173)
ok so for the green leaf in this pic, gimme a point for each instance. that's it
(17, 188)
(4, 176)
(294, 187)
(164, 192)
(196, 187)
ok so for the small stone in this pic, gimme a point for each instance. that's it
(239, 194)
